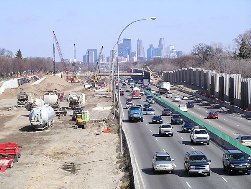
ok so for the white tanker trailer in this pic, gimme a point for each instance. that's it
(42, 117)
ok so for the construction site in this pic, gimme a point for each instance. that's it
(62, 154)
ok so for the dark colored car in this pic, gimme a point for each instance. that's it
(187, 127)
(235, 161)
(176, 119)
(196, 163)
(212, 115)
(146, 106)
(166, 112)
(248, 115)
(148, 88)
(122, 93)
(157, 119)
(190, 105)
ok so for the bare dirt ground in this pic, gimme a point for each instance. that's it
(60, 157)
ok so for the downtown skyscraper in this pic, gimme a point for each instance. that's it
(140, 51)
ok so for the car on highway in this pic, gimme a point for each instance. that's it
(150, 99)
(245, 140)
(166, 112)
(248, 115)
(176, 119)
(183, 107)
(190, 104)
(235, 161)
(145, 106)
(196, 162)
(187, 127)
(162, 162)
(185, 98)
(166, 129)
(148, 88)
(169, 94)
(129, 104)
(157, 119)
(212, 115)
(150, 111)
(176, 99)
(199, 136)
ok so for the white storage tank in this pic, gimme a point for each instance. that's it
(42, 117)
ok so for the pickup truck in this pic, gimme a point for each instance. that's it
(135, 113)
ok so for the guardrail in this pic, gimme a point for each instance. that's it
(216, 135)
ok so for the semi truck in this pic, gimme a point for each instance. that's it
(164, 87)
(135, 113)
(136, 93)
(42, 117)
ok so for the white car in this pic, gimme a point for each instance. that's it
(150, 111)
(183, 107)
(199, 136)
(245, 140)
(185, 98)
(162, 162)
(176, 99)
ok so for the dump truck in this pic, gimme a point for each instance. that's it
(42, 117)
(135, 113)
(22, 99)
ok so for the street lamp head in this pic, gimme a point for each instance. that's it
(153, 18)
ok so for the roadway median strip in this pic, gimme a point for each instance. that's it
(218, 136)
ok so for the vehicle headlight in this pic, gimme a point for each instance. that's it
(231, 165)
(207, 167)
(248, 165)
(181, 119)
(192, 167)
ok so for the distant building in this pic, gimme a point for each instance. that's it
(150, 52)
(161, 47)
(172, 52)
(179, 54)
(140, 50)
(127, 47)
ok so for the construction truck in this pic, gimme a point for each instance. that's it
(82, 118)
(76, 100)
(22, 99)
(51, 98)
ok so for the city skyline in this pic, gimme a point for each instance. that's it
(183, 23)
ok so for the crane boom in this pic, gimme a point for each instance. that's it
(59, 51)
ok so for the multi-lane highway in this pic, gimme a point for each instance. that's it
(144, 140)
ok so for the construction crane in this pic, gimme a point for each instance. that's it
(60, 52)
(97, 70)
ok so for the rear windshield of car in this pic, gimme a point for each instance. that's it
(166, 110)
(156, 117)
(176, 116)
(200, 132)
(246, 138)
(166, 126)
(135, 108)
(163, 158)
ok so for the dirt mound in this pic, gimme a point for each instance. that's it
(54, 82)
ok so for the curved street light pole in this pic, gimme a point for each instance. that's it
(117, 43)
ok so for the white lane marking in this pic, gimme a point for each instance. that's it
(164, 150)
(248, 121)
(200, 116)
(193, 148)
(181, 138)
(224, 119)
(188, 185)
(237, 125)
(151, 131)
(156, 139)
(224, 179)
(174, 165)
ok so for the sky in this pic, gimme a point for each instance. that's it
(28, 24)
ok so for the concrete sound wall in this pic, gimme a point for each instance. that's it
(227, 87)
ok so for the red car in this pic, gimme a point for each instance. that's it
(212, 115)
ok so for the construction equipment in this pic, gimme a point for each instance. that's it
(51, 98)
(82, 119)
(42, 117)
(10, 150)
(5, 162)
(76, 100)
(22, 99)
